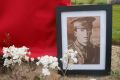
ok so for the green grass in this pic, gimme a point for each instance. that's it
(116, 23)
(88, 1)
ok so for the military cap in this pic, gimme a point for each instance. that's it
(83, 19)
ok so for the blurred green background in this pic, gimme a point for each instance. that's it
(88, 1)
(115, 16)
(116, 23)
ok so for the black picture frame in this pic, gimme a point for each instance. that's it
(104, 13)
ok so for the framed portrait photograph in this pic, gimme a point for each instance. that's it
(86, 32)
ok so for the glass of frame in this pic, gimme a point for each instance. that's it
(87, 30)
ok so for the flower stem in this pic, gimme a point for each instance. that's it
(66, 70)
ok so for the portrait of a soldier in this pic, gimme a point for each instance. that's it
(88, 53)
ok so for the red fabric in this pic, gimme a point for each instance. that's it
(68, 2)
(31, 23)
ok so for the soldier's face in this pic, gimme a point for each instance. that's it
(82, 33)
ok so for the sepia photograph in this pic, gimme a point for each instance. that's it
(84, 39)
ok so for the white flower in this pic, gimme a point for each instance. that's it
(26, 58)
(54, 65)
(8, 62)
(55, 59)
(61, 59)
(76, 52)
(45, 72)
(48, 62)
(69, 67)
(6, 55)
(38, 58)
(6, 52)
(17, 61)
(70, 55)
(44, 60)
(32, 59)
(75, 60)
(70, 50)
(15, 54)
(37, 63)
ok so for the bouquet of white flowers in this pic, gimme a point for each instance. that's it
(13, 55)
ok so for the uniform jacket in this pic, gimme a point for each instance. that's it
(87, 55)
